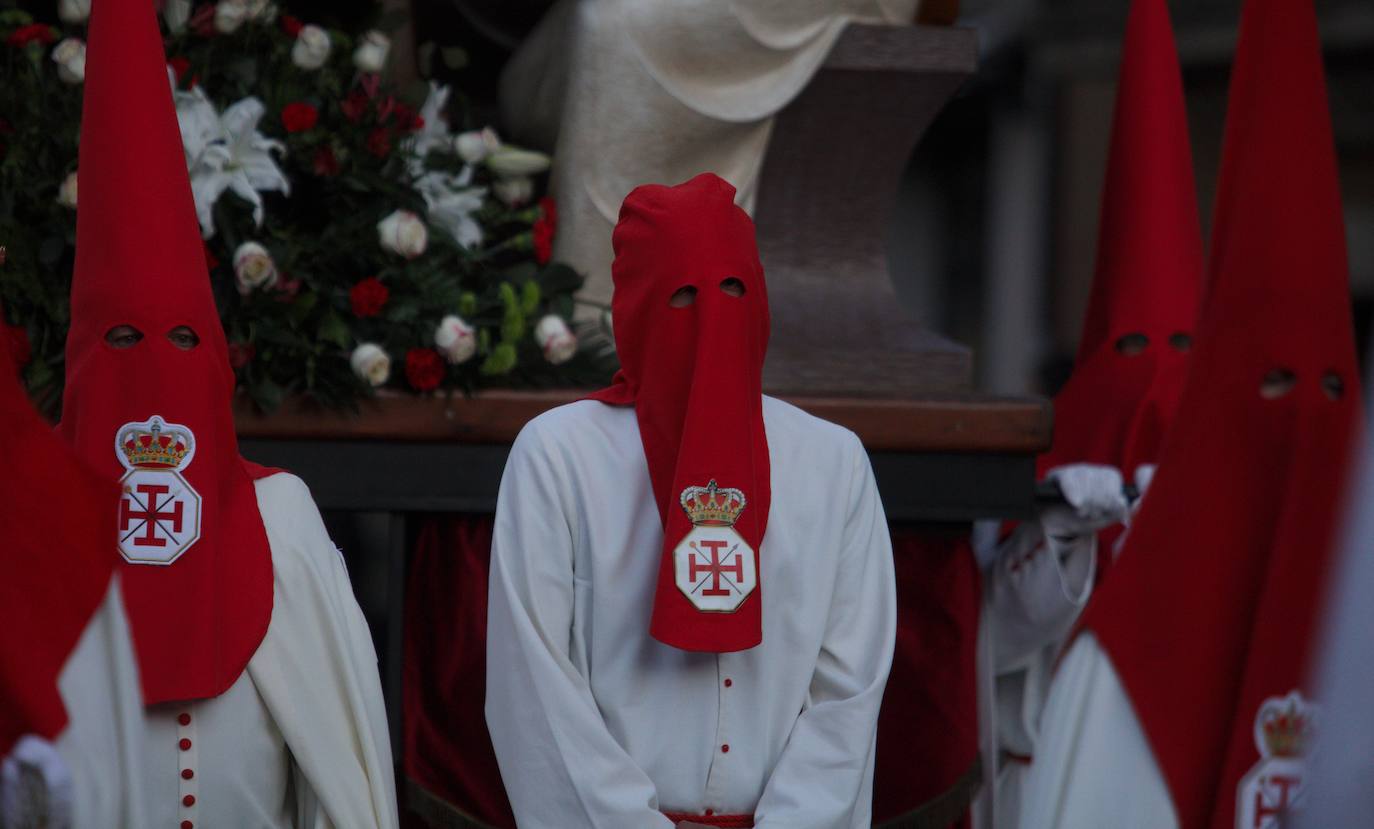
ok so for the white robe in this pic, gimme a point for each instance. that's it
(596, 725)
(102, 742)
(628, 92)
(1034, 596)
(300, 740)
(1093, 767)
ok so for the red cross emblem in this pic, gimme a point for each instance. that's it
(150, 519)
(715, 569)
(159, 512)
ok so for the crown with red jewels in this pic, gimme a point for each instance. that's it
(154, 445)
(1287, 726)
(712, 506)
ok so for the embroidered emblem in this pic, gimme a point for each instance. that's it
(1285, 728)
(713, 565)
(159, 512)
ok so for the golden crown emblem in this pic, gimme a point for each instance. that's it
(712, 506)
(1287, 728)
(154, 445)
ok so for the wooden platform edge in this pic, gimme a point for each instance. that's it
(969, 423)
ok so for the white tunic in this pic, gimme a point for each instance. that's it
(1035, 593)
(628, 92)
(1093, 766)
(300, 740)
(596, 725)
(101, 744)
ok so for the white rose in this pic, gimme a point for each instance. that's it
(230, 15)
(513, 162)
(475, 146)
(556, 339)
(514, 192)
(253, 268)
(455, 339)
(176, 13)
(371, 363)
(403, 232)
(370, 56)
(73, 11)
(70, 57)
(312, 48)
(66, 193)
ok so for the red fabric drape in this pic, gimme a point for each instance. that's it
(447, 751)
(928, 727)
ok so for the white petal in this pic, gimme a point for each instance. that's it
(243, 189)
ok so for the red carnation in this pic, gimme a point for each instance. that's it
(180, 66)
(299, 116)
(407, 119)
(291, 25)
(368, 297)
(545, 228)
(325, 163)
(203, 21)
(379, 142)
(424, 369)
(20, 349)
(354, 107)
(32, 33)
(241, 354)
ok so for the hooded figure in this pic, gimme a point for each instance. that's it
(691, 604)
(70, 709)
(238, 602)
(1200, 716)
(1111, 417)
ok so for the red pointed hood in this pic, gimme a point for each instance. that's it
(198, 572)
(1117, 406)
(1209, 615)
(56, 558)
(695, 377)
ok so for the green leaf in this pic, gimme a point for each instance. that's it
(333, 330)
(467, 305)
(266, 395)
(530, 295)
(513, 327)
(501, 360)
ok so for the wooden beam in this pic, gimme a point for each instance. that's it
(938, 424)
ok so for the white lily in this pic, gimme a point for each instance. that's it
(434, 133)
(197, 118)
(450, 202)
(226, 152)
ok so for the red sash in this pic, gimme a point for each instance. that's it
(723, 821)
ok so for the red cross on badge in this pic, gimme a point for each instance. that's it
(713, 565)
(159, 512)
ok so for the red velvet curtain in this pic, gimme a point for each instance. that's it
(447, 753)
(928, 729)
